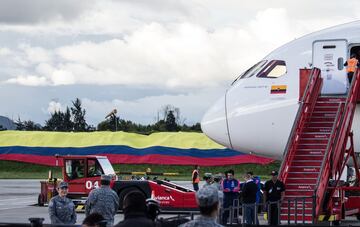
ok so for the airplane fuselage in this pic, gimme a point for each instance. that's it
(257, 112)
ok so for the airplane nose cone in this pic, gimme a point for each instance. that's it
(214, 123)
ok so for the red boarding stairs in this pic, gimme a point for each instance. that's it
(316, 154)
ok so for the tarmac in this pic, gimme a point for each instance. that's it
(18, 200)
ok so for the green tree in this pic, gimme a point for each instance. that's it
(78, 113)
(19, 125)
(55, 122)
(67, 123)
(31, 126)
(170, 122)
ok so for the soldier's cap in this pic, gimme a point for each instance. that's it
(208, 175)
(106, 178)
(218, 176)
(207, 196)
(274, 173)
(63, 184)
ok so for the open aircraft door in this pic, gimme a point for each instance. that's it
(330, 56)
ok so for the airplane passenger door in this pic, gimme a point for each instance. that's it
(330, 56)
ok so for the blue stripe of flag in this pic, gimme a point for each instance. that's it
(120, 149)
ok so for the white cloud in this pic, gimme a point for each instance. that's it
(36, 54)
(174, 44)
(54, 106)
(28, 80)
(186, 55)
(145, 110)
(4, 51)
(272, 26)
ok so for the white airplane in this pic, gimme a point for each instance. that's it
(253, 118)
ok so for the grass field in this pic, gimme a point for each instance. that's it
(18, 170)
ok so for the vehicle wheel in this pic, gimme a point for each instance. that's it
(41, 200)
(123, 193)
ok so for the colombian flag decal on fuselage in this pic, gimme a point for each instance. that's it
(278, 89)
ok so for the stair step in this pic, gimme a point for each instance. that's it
(303, 175)
(319, 124)
(293, 180)
(331, 99)
(298, 211)
(327, 104)
(321, 119)
(300, 187)
(317, 130)
(320, 140)
(323, 114)
(332, 109)
(311, 146)
(309, 202)
(299, 219)
(318, 157)
(300, 163)
(289, 193)
(315, 135)
(304, 169)
(310, 151)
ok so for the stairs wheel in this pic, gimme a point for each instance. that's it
(336, 223)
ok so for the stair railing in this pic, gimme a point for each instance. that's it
(305, 110)
(335, 151)
(347, 120)
(321, 183)
(338, 152)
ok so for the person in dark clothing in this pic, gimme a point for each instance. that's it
(94, 220)
(274, 192)
(135, 209)
(231, 188)
(249, 191)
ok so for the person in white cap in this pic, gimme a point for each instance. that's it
(61, 208)
(103, 200)
(208, 200)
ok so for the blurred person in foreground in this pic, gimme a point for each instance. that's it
(135, 211)
(94, 220)
(208, 200)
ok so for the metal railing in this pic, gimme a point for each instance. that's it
(307, 104)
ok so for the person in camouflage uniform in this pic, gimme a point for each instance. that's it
(103, 200)
(61, 208)
(208, 178)
(208, 201)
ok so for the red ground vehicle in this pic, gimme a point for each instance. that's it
(83, 174)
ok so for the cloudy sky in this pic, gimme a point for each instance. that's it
(139, 55)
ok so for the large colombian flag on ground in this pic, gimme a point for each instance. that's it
(177, 148)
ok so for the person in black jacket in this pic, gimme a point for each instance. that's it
(274, 192)
(249, 191)
(135, 210)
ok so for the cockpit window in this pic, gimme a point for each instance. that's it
(274, 69)
(251, 71)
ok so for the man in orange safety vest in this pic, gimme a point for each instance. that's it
(196, 177)
(351, 64)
